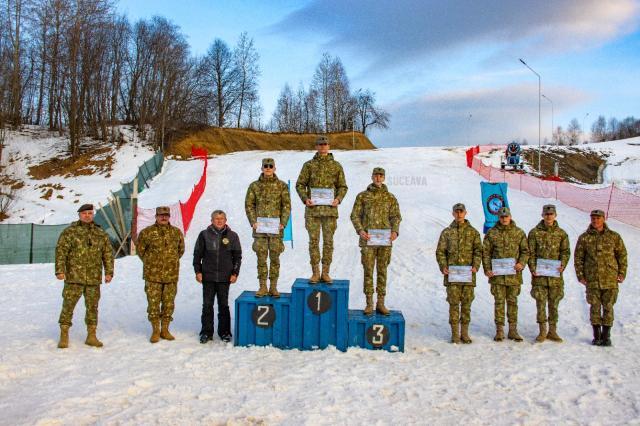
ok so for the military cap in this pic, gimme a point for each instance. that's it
(85, 207)
(320, 140)
(378, 171)
(163, 210)
(597, 212)
(548, 208)
(459, 206)
(268, 161)
(504, 211)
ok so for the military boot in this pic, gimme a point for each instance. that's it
(542, 335)
(380, 306)
(605, 339)
(464, 333)
(324, 277)
(273, 289)
(499, 333)
(553, 334)
(513, 332)
(262, 291)
(155, 333)
(315, 276)
(164, 331)
(597, 335)
(64, 337)
(368, 310)
(455, 333)
(92, 340)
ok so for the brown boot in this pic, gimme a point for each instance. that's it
(164, 331)
(464, 333)
(64, 337)
(553, 334)
(513, 332)
(92, 340)
(499, 333)
(273, 289)
(368, 310)
(455, 333)
(315, 276)
(324, 277)
(155, 333)
(262, 291)
(380, 306)
(542, 335)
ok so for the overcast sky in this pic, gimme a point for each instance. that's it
(446, 70)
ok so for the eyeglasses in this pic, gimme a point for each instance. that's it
(268, 166)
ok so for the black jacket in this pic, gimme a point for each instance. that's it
(217, 254)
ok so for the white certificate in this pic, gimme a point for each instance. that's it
(268, 225)
(506, 266)
(548, 267)
(322, 196)
(460, 274)
(379, 237)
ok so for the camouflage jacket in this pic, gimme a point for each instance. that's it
(504, 242)
(82, 251)
(548, 243)
(267, 197)
(600, 257)
(321, 172)
(375, 208)
(160, 248)
(459, 244)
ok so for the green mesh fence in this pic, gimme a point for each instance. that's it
(31, 243)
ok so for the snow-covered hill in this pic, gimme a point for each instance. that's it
(433, 382)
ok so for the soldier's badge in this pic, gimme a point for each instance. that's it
(225, 241)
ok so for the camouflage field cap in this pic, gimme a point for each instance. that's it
(597, 212)
(322, 140)
(548, 208)
(459, 207)
(504, 211)
(85, 207)
(378, 171)
(268, 162)
(163, 210)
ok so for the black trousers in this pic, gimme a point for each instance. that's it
(209, 291)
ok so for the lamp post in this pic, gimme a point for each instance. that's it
(551, 102)
(469, 129)
(539, 101)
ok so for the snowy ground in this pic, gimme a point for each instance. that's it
(182, 382)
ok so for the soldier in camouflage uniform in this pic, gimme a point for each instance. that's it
(548, 241)
(376, 208)
(321, 172)
(83, 250)
(600, 261)
(505, 240)
(160, 247)
(459, 244)
(268, 197)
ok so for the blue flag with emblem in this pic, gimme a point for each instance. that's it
(494, 197)
(288, 230)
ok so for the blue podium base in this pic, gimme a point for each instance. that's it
(377, 331)
(262, 321)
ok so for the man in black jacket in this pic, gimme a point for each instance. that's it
(216, 261)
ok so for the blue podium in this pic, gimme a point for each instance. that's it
(262, 321)
(377, 331)
(319, 315)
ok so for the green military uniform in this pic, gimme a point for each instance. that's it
(548, 242)
(82, 251)
(321, 172)
(160, 248)
(499, 243)
(600, 257)
(459, 244)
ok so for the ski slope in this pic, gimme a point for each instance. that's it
(131, 381)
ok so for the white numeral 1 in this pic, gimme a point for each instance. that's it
(319, 297)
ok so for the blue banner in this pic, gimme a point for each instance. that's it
(494, 197)
(288, 230)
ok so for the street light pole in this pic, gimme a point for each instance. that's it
(551, 117)
(539, 113)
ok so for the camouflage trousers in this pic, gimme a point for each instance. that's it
(602, 301)
(547, 295)
(460, 297)
(160, 300)
(328, 224)
(71, 293)
(378, 258)
(509, 294)
(268, 247)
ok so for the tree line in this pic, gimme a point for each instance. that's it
(601, 130)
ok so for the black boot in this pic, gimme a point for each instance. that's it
(605, 339)
(596, 335)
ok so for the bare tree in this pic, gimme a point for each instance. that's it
(246, 61)
(573, 132)
(368, 114)
(599, 129)
(222, 77)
